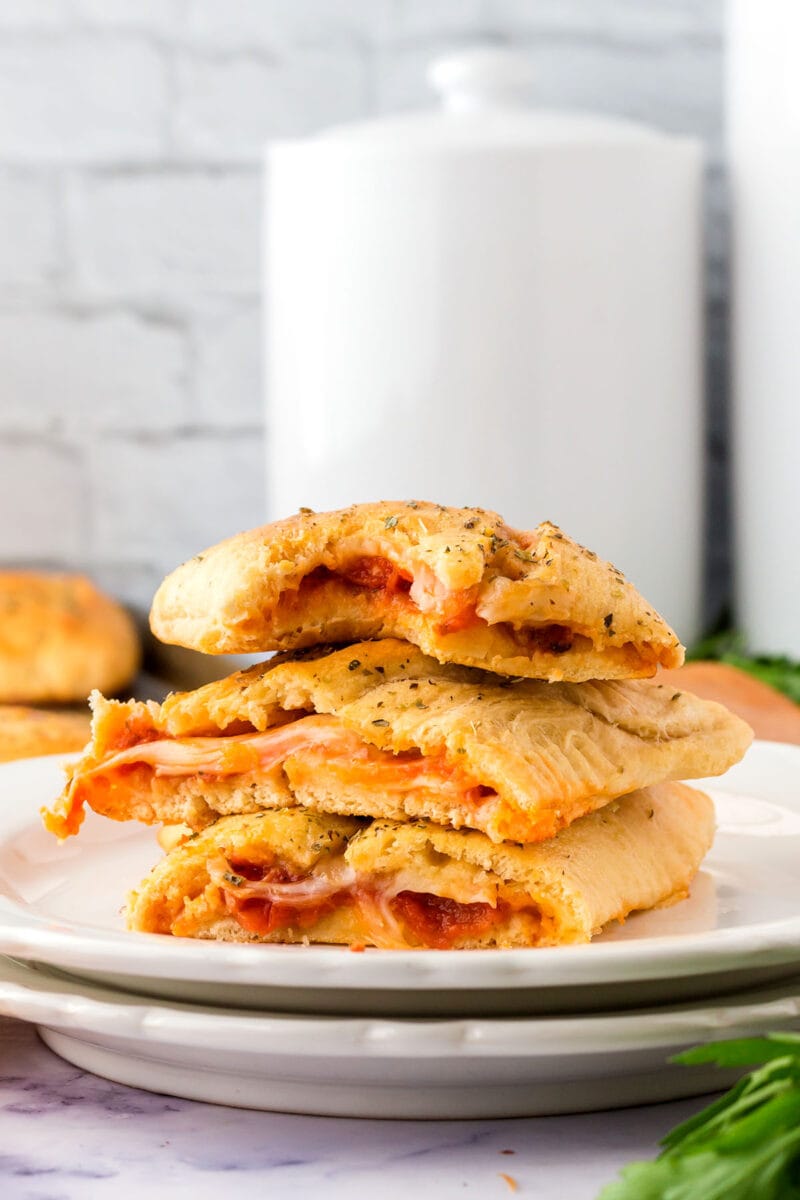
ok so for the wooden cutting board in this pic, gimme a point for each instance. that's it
(772, 715)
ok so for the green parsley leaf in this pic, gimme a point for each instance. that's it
(744, 1146)
(781, 673)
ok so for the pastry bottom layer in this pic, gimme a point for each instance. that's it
(289, 875)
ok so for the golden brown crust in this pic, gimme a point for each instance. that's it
(550, 752)
(637, 852)
(60, 637)
(29, 732)
(281, 587)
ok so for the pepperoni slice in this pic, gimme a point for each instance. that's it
(438, 922)
(376, 575)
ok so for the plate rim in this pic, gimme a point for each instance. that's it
(34, 937)
(76, 1005)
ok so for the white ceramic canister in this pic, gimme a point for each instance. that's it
(764, 139)
(498, 306)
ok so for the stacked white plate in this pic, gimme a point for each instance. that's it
(394, 1033)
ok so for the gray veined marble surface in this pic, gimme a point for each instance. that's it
(66, 1135)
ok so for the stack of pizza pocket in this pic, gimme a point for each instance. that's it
(459, 744)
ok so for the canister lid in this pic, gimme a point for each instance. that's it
(484, 93)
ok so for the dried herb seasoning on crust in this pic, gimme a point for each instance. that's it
(398, 736)
(457, 582)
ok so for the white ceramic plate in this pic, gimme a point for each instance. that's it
(60, 904)
(359, 1067)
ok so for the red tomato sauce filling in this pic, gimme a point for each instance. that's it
(438, 922)
(372, 574)
(261, 916)
(455, 610)
(435, 922)
(553, 639)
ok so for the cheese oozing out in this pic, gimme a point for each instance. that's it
(264, 900)
(452, 609)
(319, 739)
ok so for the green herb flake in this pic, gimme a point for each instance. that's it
(381, 722)
(607, 619)
(354, 664)
(390, 522)
(232, 878)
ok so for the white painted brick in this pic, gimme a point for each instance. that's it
(35, 14)
(228, 374)
(226, 110)
(438, 19)
(167, 235)
(624, 20)
(675, 87)
(152, 16)
(160, 500)
(84, 373)
(242, 25)
(80, 99)
(44, 502)
(28, 242)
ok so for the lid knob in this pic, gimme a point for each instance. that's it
(485, 77)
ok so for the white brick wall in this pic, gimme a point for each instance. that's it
(130, 199)
(81, 98)
(44, 500)
(29, 239)
(82, 373)
(162, 235)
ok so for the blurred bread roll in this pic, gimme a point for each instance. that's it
(60, 637)
(28, 732)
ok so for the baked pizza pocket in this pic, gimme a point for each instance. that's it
(380, 730)
(457, 582)
(294, 876)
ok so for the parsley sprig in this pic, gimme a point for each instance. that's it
(730, 647)
(745, 1146)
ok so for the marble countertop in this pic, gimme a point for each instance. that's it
(93, 1139)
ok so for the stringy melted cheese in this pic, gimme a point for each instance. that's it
(392, 915)
(316, 739)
